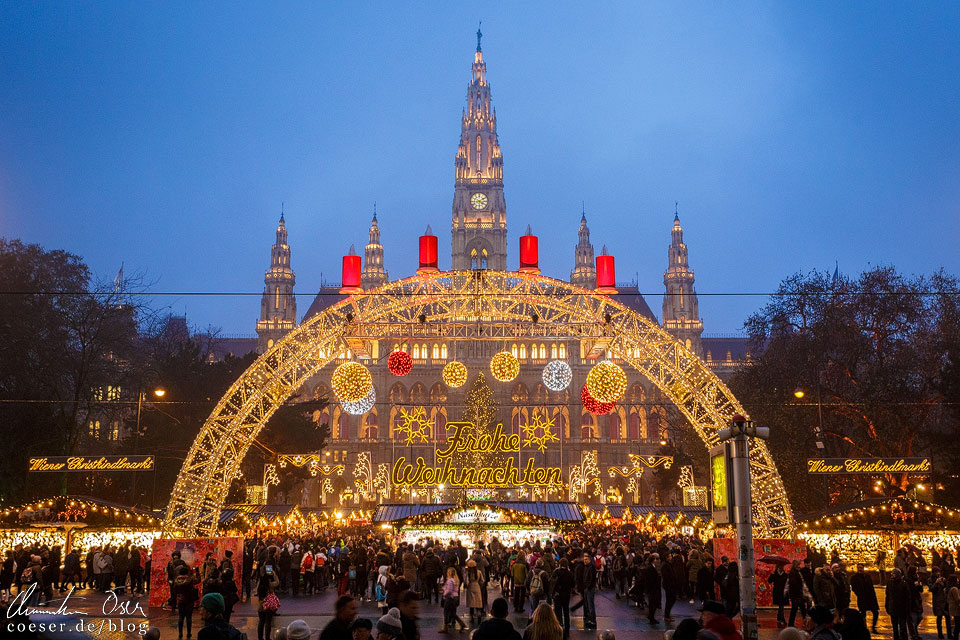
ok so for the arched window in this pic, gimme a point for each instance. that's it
(613, 426)
(372, 430)
(416, 352)
(514, 350)
(563, 351)
(343, 424)
(543, 351)
(523, 352)
(443, 351)
(436, 351)
(587, 430)
(553, 350)
(634, 426)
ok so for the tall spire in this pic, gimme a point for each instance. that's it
(278, 305)
(681, 311)
(584, 267)
(479, 35)
(479, 220)
(374, 274)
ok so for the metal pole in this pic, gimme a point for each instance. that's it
(744, 520)
(136, 448)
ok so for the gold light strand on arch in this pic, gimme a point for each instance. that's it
(468, 305)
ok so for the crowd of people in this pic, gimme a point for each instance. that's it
(544, 582)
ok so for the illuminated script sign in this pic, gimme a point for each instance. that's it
(869, 465)
(464, 440)
(475, 515)
(90, 463)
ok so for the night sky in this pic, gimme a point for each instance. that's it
(165, 136)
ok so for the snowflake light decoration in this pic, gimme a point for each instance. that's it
(414, 425)
(539, 432)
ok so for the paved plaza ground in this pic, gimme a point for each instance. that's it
(623, 617)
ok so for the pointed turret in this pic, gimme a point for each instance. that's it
(374, 274)
(479, 221)
(278, 306)
(681, 311)
(584, 267)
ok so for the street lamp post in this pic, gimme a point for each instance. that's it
(158, 392)
(740, 431)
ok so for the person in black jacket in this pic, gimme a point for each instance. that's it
(705, 584)
(897, 604)
(779, 581)
(795, 588)
(652, 584)
(731, 589)
(862, 585)
(562, 588)
(852, 626)
(497, 627)
(586, 580)
(671, 585)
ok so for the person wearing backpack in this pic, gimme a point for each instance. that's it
(380, 590)
(536, 585)
(185, 592)
(307, 570)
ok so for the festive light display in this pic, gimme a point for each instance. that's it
(414, 425)
(593, 405)
(381, 482)
(362, 406)
(606, 382)
(363, 475)
(539, 432)
(585, 475)
(351, 382)
(557, 375)
(504, 366)
(400, 363)
(454, 374)
(465, 304)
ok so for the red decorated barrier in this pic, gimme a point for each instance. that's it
(789, 549)
(192, 551)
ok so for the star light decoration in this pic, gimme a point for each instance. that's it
(539, 432)
(504, 366)
(454, 374)
(362, 406)
(557, 375)
(606, 382)
(351, 381)
(414, 425)
(399, 363)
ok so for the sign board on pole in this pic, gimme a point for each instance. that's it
(721, 490)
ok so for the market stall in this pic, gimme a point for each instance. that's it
(509, 522)
(859, 532)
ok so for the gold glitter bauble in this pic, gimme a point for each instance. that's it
(454, 374)
(351, 381)
(606, 382)
(504, 366)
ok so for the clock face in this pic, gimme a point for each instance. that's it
(479, 201)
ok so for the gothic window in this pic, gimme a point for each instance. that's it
(587, 431)
(114, 433)
(543, 351)
(613, 426)
(443, 351)
(276, 304)
(418, 394)
(438, 394)
(633, 427)
(343, 432)
(563, 351)
(478, 137)
(520, 393)
(93, 428)
(436, 351)
(523, 352)
(416, 352)
(397, 394)
(553, 350)
(514, 351)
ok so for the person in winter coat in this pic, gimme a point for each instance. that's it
(862, 586)
(820, 624)
(843, 586)
(562, 588)
(673, 583)
(915, 589)
(715, 620)
(652, 584)
(705, 582)
(431, 568)
(585, 578)
(731, 590)
(795, 592)
(228, 589)
(897, 604)
(852, 625)
(472, 590)
(185, 590)
(518, 572)
(778, 580)
(953, 603)
(411, 565)
(938, 595)
(825, 588)
(694, 564)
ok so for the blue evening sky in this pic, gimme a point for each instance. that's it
(165, 136)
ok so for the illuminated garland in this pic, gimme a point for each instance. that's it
(593, 405)
(363, 475)
(606, 382)
(504, 366)
(399, 363)
(361, 406)
(557, 375)
(71, 509)
(454, 374)
(351, 382)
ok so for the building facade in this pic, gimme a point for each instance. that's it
(639, 423)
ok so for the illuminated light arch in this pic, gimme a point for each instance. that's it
(460, 305)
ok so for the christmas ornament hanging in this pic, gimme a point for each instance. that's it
(593, 405)
(351, 382)
(504, 366)
(454, 374)
(557, 375)
(606, 382)
(362, 406)
(399, 363)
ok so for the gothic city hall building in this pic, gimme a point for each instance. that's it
(640, 423)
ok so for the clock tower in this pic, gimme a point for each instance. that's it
(479, 224)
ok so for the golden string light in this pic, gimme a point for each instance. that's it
(454, 374)
(539, 432)
(504, 366)
(351, 382)
(606, 381)
(414, 425)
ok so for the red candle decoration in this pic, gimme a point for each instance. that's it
(428, 252)
(593, 405)
(399, 363)
(529, 253)
(606, 273)
(350, 276)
